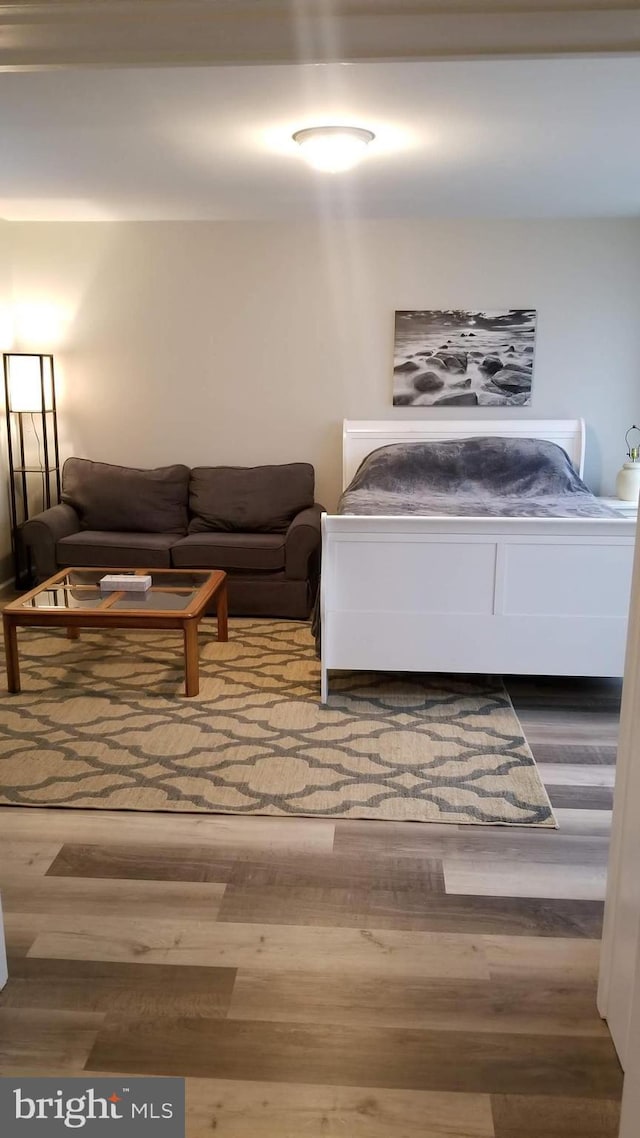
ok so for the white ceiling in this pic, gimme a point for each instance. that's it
(530, 138)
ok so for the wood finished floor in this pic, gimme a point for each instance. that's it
(313, 978)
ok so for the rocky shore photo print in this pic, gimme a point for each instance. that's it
(461, 358)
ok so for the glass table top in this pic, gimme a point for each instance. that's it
(80, 589)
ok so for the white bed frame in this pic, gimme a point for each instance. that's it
(538, 596)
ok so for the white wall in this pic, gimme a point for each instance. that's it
(6, 341)
(249, 342)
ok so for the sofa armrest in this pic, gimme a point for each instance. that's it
(301, 542)
(42, 533)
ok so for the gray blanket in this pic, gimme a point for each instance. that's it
(477, 477)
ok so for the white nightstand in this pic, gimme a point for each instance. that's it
(627, 509)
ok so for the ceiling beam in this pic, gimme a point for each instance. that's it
(76, 33)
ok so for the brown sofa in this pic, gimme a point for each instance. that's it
(260, 524)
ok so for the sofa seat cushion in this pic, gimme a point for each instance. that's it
(116, 550)
(254, 499)
(259, 552)
(126, 499)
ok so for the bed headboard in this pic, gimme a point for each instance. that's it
(360, 437)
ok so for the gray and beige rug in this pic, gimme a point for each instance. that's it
(102, 722)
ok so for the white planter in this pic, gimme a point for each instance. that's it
(628, 482)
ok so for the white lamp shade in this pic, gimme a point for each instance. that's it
(30, 389)
(333, 148)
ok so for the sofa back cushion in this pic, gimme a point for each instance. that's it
(124, 499)
(254, 499)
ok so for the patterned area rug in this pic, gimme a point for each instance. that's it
(102, 722)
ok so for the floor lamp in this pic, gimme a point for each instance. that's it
(32, 445)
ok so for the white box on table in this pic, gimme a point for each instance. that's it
(125, 582)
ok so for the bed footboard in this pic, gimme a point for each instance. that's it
(538, 596)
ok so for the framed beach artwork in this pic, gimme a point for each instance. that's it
(464, 357)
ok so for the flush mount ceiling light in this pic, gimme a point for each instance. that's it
(333, 148)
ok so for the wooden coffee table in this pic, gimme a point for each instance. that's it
(177, 598)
